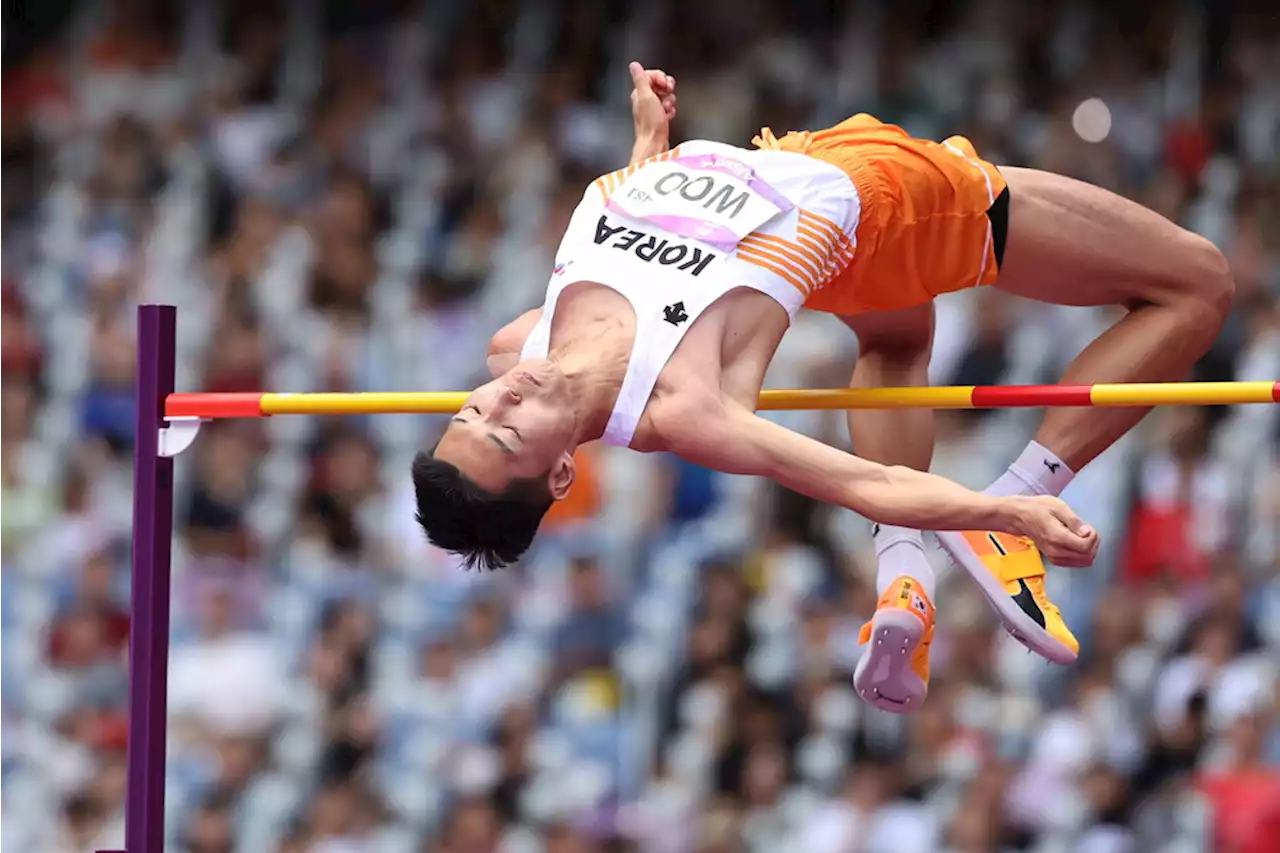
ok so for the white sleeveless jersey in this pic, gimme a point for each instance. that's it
(675, 233)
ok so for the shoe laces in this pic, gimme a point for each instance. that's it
(1036, 586)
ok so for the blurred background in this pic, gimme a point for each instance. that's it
(354, 196)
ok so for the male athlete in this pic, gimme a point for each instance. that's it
(677, 278)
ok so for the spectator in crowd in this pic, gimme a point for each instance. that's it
(592, 630)
(227, 681)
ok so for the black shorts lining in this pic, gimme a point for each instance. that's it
(998, 213)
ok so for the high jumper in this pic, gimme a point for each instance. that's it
(677, 278)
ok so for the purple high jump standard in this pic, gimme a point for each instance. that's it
(149, 618)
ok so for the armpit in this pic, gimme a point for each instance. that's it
(690, 424)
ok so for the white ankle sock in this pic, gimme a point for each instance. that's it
(1036, 472)
(900, 551)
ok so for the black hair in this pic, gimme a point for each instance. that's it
(487, 529)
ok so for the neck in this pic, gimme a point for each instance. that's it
(594, 367)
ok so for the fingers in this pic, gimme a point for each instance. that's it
(1070, 559)
(662, 82)
(1084, 533)
(640, 78)
(1067, 557)
(1069, 519)
(665, 87)
(1066, 547)
(655, 80)
(653, 90)
(1062, 536)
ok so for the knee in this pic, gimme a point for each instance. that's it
(895, 340)
(1209, 281)
(902, 349)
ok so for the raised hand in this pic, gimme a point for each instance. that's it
(653, 106)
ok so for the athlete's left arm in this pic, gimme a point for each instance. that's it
(731, 439)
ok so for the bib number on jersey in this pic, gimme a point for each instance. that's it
(708, 198)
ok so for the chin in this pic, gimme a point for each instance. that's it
(541, 372)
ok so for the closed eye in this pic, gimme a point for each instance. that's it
(464, 410)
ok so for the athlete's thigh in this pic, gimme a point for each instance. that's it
(1071, 243)
(907, 329)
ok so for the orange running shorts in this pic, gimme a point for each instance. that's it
(923, 228)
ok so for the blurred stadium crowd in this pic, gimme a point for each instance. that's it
(353, 196)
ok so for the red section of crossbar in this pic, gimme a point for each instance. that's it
(1275, 392)
(997, 396)
(247, 405)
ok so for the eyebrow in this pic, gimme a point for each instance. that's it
(502, 444)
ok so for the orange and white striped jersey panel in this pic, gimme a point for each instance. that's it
(807, 246)
(819, 251)
(607, 184)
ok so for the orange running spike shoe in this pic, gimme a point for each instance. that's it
(1009, 571)
(893, 673)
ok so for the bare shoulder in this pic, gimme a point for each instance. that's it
(689, 422)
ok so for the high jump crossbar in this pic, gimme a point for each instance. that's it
(266, 404)
(167, 423)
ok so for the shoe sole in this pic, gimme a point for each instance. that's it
(883, 676)
(1016, 622)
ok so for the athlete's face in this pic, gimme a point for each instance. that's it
(518, 426)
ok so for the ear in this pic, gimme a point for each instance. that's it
(562, 475)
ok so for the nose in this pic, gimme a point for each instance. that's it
(505, 399)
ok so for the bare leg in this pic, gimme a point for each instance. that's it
(893, 351)
(1071, 243)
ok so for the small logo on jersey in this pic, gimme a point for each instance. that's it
(560, 268)
(1052, 466)
(675, 314)
(649, 249)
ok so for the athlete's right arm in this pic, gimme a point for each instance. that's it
(507, 342)
(737, 441)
